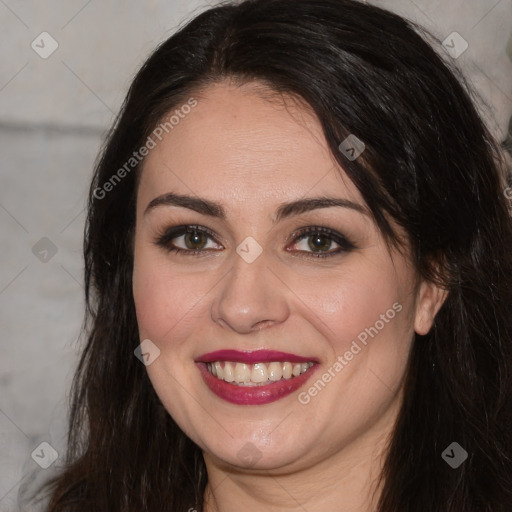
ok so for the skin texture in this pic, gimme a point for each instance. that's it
(251, 152)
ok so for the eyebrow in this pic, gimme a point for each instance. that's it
(213, 209)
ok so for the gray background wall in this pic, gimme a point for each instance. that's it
(53, 114)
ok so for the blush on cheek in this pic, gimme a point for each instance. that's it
(167, 307)
(355, 311)
(150, 307)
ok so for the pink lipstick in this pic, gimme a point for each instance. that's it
(254, 394)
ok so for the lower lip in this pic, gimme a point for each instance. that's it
(254, 395)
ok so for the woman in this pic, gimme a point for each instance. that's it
(298, 278)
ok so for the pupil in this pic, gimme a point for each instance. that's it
(317, 242)
(193, 237)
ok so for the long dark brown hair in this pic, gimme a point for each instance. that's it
(430, 165)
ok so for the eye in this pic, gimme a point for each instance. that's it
(318, 240)
(194, 240)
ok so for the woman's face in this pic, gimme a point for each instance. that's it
(333, 298)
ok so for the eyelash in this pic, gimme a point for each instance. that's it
(164, 238)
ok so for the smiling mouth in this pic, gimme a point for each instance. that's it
(257, 374)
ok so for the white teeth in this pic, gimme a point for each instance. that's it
(287, 370)
(242, 373)
(228, 372)
(275, 371)
(258, 373)
(217, 368)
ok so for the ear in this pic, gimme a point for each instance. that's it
(430, 298)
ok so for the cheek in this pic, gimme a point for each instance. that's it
(166, 301)
(365, 316)
(357, 304)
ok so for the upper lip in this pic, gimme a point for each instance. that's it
(253, 356)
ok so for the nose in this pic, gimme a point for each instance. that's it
(251, 297)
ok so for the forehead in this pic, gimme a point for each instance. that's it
(244, 144)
